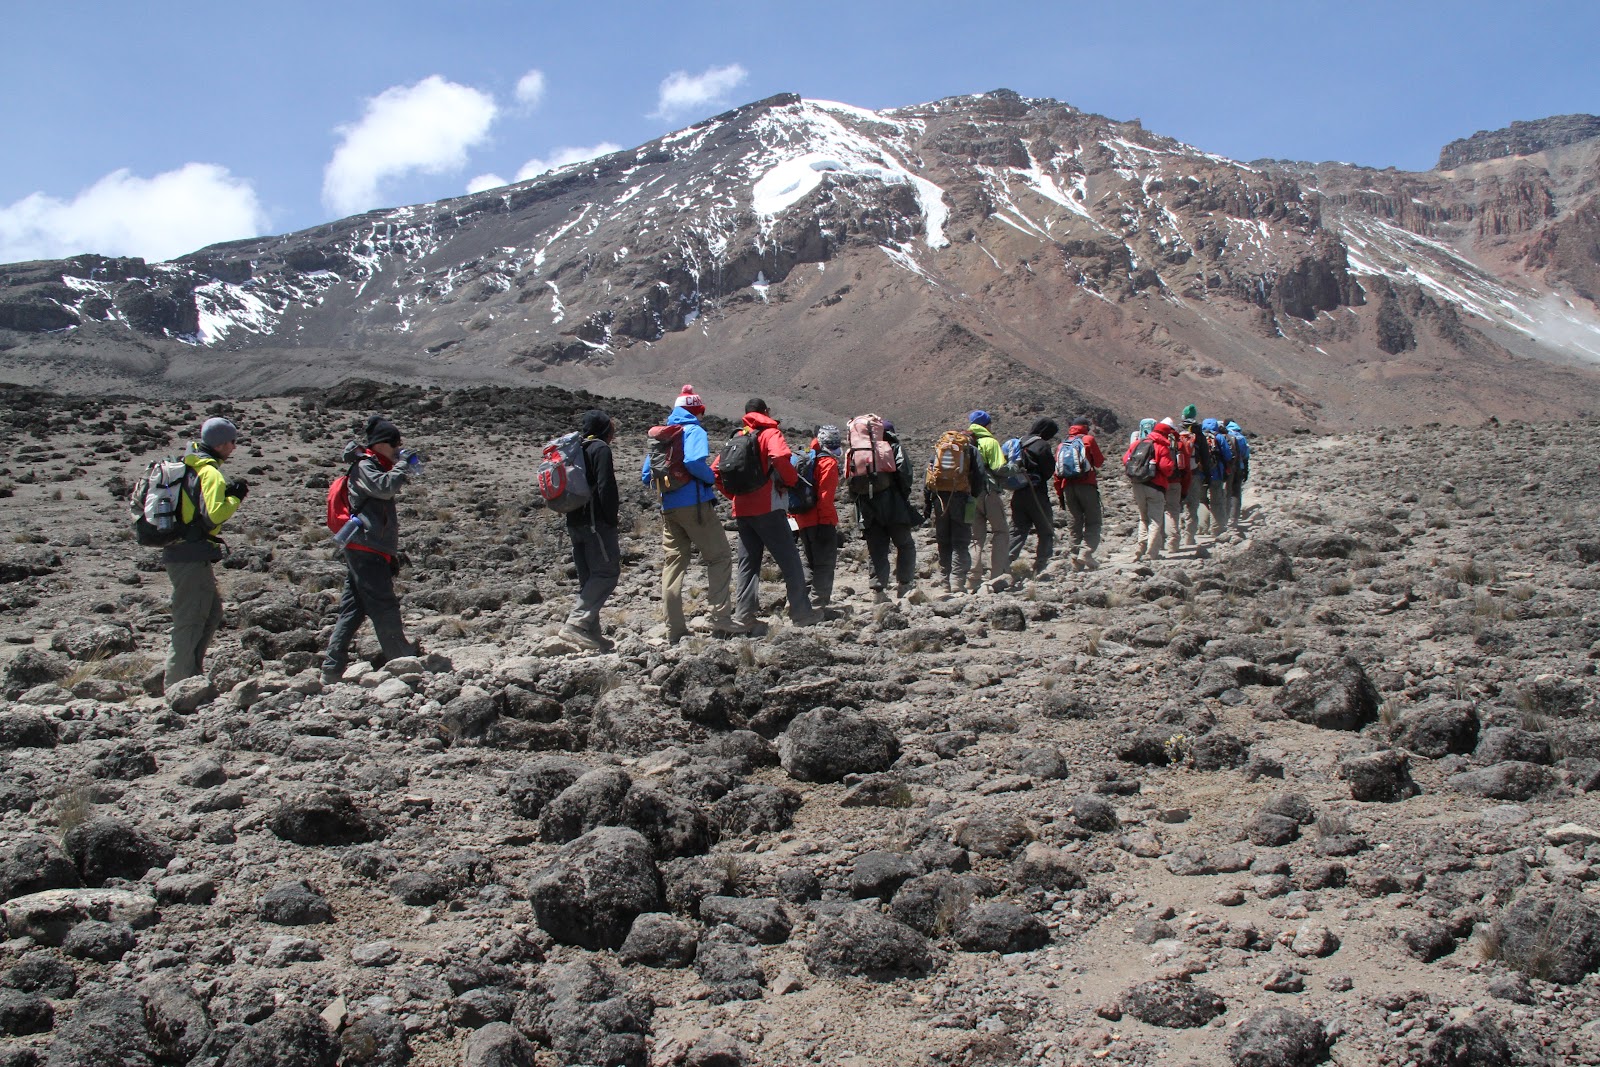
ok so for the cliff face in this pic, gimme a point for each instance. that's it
(990, 250)
(1519, 139)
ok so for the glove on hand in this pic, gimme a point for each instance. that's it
(238, 487)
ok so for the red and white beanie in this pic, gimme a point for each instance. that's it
(691, 400)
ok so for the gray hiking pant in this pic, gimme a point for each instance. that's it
(1235, 500)
(758, 535)
(368, 594)
(1031, 512)
(1083, 503)
(820, 547)
(990, 528)
(599, 561)
(196, 614)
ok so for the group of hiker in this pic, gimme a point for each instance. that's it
(984, 499)
(975, 490)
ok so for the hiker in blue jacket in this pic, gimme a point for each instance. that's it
(689, 520)
(1238, 472)
(1221, 461)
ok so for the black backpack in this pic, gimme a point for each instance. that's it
(740, 465)
(1141, 464)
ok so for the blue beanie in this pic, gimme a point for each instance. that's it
(980, 417)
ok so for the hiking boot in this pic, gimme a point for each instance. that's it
(1089, 562)
(581, 639)
(330, 675)
(880, 596)
(810, 618)
(1000, 584)
(904, 591)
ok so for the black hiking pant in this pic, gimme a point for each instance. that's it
(1031, 512)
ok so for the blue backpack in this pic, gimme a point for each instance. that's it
(803, 494)
(1072, 459)
(1015, 474)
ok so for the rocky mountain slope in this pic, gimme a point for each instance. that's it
(1319, 792)
(988, 250)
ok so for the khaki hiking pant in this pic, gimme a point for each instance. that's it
(1152, 505)
(1173, 507)
(1217, 505)
(696, 526)
(196, 614)
(1191, 509)
(991, 528)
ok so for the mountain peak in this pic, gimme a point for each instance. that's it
(1519, 139)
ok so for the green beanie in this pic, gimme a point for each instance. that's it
(1189, 413)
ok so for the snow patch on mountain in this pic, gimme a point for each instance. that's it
(810, 142)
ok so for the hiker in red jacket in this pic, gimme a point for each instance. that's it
(762, 519)
(1150, 496)
(819, 525)
(1178, 488)
(1080, 495)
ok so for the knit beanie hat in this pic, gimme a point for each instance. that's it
(380, 431)
(980, 417)
(829, 439)
(1168, 422)
(218, 431)
(1045, 428)
(688, 398)
(1189, 413)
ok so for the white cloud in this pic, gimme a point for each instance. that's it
(682, 92)
(485, 181)
(157, 218)
(426, 127)
(562, 157)
(530, 89)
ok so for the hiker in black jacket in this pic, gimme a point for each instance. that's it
(1031, 509)
(593, 529)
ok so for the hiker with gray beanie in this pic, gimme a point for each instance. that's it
(379, 470)
(196, 600)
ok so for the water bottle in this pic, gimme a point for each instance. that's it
(413, 460)
(348, 530)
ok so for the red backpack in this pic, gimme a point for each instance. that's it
(339, 501)
(668, 471)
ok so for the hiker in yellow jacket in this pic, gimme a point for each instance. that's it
(196, 601)
(989, 527)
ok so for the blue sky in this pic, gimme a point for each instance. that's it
(156, 127)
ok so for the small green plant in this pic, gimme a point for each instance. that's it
(1177, 749)
(1487, 941)
(1389, 711)
(953, 902)
(733, 869)
(73, 809)
(1333, 825)
(1091, 642)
